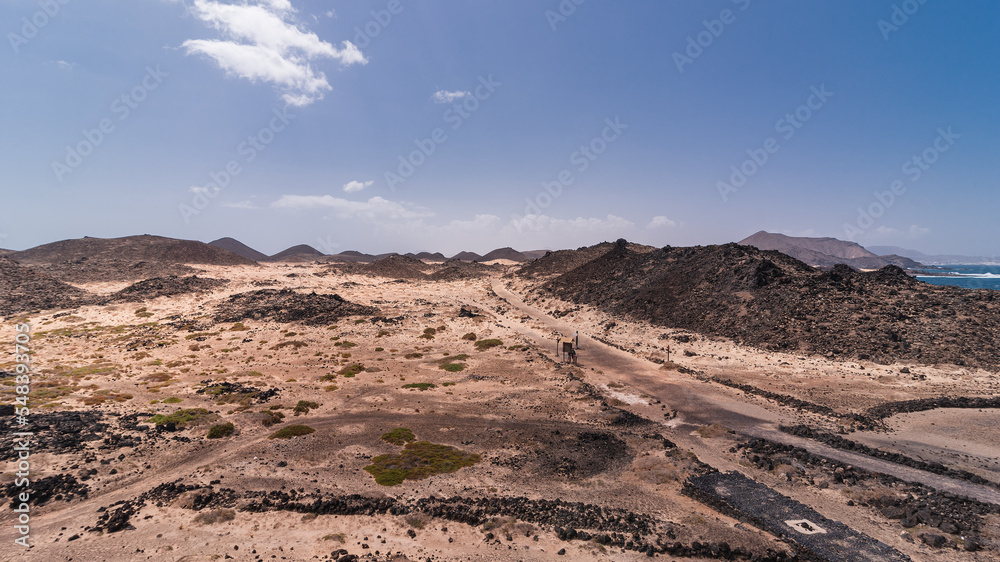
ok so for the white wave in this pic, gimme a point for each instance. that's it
(962, 276)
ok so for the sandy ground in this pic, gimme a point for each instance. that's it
(516, 405)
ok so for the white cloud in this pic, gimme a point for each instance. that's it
(241, 205)
(331, 14)
(444, 96)
(352, 186)
(891, 234)
(373, 209)
(262, 42)
(198, 189)
(661, 222)
(547, 224)
(63, 65)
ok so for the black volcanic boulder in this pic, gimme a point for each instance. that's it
(288, 306)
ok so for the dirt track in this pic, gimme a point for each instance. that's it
(699, 403)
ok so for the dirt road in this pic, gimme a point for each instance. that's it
(701, 403)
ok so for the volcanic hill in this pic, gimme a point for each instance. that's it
(23, 289)
(826, 252)
(770, 300)
(88, 259)
(239, 248)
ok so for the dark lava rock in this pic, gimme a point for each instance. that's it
(24, 289)
(288, 306)
(932, 540)
(57, 432)
(236, 392)
(772, 301)
(60, 487)
(165, 286)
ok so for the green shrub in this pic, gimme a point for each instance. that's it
(304, 406)
(290, 431)
(419, 460)
(271, 417)
(470, 336)
(419, 385)
(352, 370)
(399, 436)
(483, 345)
(453, 367)
(221, 430)
(413, 355)
(172, 400)
(182, 417)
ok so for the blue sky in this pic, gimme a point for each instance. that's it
(469, 125)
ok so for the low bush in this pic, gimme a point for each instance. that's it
(399, 436)
(304, 406)
(419, 385)
(182, 418)
(290, 431)
(418, 460)
(221, 430)
(483, 345)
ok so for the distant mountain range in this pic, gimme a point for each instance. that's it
(303, 252)
(827, 252)
(144, 248)
(937, 259)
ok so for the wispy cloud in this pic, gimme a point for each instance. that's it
(261, 41)
(545, 223)
(375, 208)
(241, 205)
(63, 65)
(889, 232)
(354, 186)
(444, 96)
(661, 222)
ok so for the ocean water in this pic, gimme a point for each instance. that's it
(968, 276)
